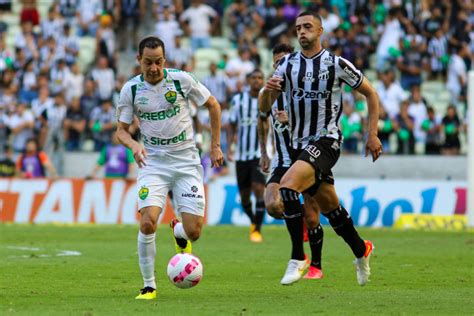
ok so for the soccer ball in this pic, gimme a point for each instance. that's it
(184, 270)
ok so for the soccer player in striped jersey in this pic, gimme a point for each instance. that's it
(280, 163)
(312, 79)
(244, 119)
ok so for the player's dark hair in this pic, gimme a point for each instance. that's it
(312, 13)
(282, 48)
(255, 71)
(150, 42)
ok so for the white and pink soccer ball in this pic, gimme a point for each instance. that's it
(184, 270)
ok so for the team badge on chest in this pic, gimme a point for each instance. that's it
(171, 96)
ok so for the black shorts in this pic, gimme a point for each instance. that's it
(277, 174)
(322, 155)
(249, 172)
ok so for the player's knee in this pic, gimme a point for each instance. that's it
(194, 232)
(311, 221)
(275, 209)
(147, 226)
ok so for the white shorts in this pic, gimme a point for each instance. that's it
(180, 172)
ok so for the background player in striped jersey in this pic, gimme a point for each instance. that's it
(244, 119)
(312, 79)
(280, 163)
(169, 159)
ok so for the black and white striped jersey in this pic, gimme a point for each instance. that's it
(281, 135)
(244, 113)
(314, 95)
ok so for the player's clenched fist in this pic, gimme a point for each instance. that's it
(274, 83)
(217, 157)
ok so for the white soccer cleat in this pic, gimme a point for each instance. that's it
(294, 271)
(362, 264)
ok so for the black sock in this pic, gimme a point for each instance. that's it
(315, 237)
(259, 214)
(248, 210)
(342, 224)
(294, 221)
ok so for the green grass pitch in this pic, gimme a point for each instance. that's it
(421, 273)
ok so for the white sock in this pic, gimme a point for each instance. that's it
(146, 258)
(179, 231)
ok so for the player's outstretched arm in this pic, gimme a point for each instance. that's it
(217, 158)
(373, 142)
(125, 138)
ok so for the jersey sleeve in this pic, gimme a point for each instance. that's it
(234, 110)
(194, 89)
(124, 111)
(348, 73)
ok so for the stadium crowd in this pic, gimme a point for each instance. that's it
(46, 94)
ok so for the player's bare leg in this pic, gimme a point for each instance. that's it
(273, 201)
(344, 227)
(147, 250)
(186, 231)
(315, 236)
(258, 190)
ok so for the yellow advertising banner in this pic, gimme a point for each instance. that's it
(431, 222)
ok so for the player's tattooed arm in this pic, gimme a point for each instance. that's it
(373, 145)
(270, 93)
(217, 158)
(125, 138)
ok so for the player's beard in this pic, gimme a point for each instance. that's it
(305, 43)
(153, 78)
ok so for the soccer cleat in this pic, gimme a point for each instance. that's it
(147, 293)
(182, 245)
(256, 236)
(362, 264)
(314, 273)
(294, 271)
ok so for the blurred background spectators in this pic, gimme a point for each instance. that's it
(63, 62)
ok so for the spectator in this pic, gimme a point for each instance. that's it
(21, 123)
(104, 78)
(39, 107)
(29, 12)
(417, 110)
(102, 123)
(33, 163)
(389, 40)
(432, 128)
(385, 129)
(68, 10)
(70, 43)
(7, 165)
(58, 74)
(438, 51)
(116, 159)
(238, 67)
(330, 21)
(53, 26)
(26, 40)
(73, 84)
(216, 83)
(87, 15)
(130, 13)
(451, 126)
(89, 100)
(167, 29)
(351, 126)
(457, 74)
(181, 55)
(28, 83)
(54, 143)
(105, 39)
(74, 125)
(411, 63)
(390, 92)
(196, 23)
(404, 125)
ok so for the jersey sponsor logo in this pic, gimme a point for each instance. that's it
(308, 77)
(323, 74)
(313, 151)
(328, 61)
(300, 93)
(351, 73)
(171, 96)
(194, 189)
(143, 192)
(141, 86)
(159, 116)
(142, 101)
(156, 141)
